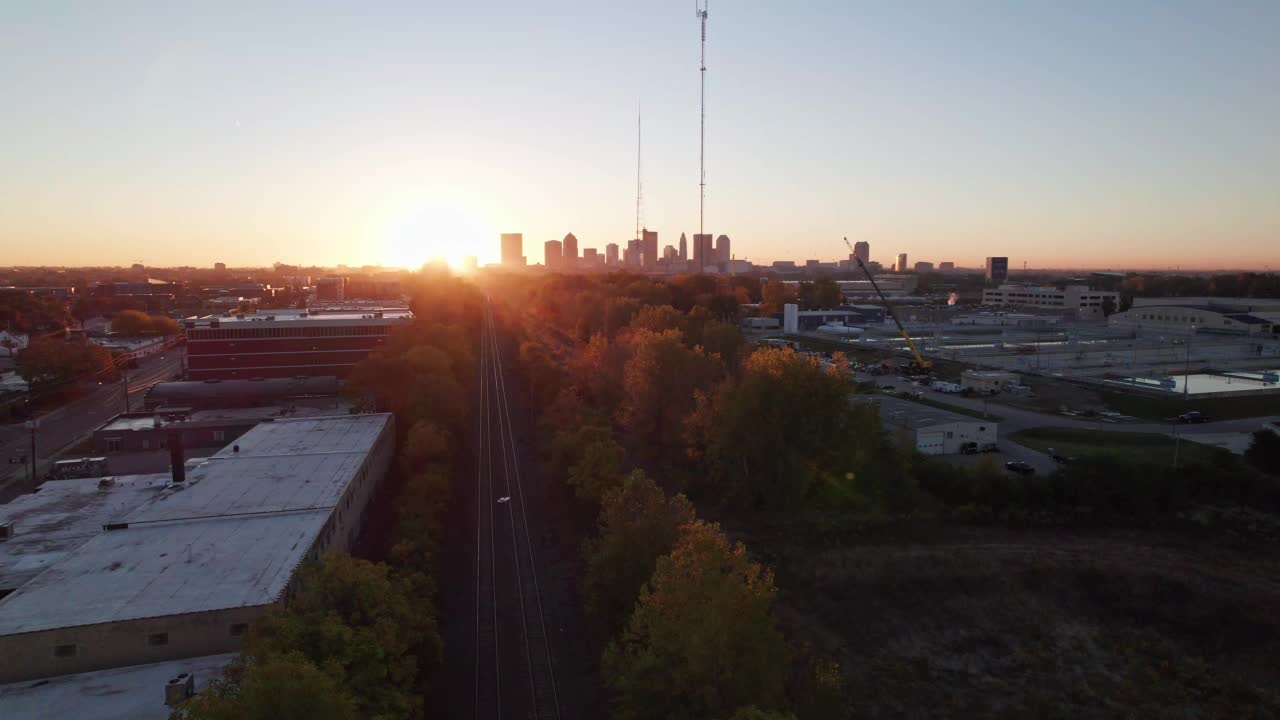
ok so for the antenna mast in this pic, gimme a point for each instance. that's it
(638, 186)
(700, 8)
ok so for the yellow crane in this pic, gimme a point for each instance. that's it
(920, 362)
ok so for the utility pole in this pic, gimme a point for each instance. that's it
(701, 11)
(124, 373)
(32, 425)
(1186, 389)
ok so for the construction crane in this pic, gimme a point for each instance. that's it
(919, 364)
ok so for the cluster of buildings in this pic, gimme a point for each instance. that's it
(641, 254)
(121, 595)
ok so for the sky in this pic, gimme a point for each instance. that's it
(1132, 134)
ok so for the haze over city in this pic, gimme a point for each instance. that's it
(1134, 135)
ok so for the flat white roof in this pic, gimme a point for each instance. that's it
(296, 316)
(127, 693)
(229, 537)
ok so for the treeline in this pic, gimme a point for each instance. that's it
(358, 637)
(647, 385)
(1244, 284)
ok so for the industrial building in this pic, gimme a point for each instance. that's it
(1227, 316)
(210, 394)
(890, 285)
(149, 431)
(937, 432)
(988, 381)
(1086, 303)
(289, 343)
(113, 572)
(795, 320)
(1005, 320)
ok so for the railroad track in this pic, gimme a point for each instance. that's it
(514, 670)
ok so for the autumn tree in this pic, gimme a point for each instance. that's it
(597, 468)
(702, 641)
(1264, 451)
(659, 381)
(134, 323)
(281, 687)
(51, 363)
(784, 432)
(775, 294)
(638, 524)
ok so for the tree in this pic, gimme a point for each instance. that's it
(659, 380)
(1108, 306)
(1264, 451)
(49, 363)
(286, 687)
(598, 468)
(775, 294)
(638, 524)
(827, 293)
(702, 641)
(361, 624)
(133, 323)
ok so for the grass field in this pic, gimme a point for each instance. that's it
(1140, 447)
(956, 409)
(1151, 408)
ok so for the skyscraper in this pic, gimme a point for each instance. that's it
(862, 251)
(512, 249)
(723, 255)
(684, 247)
(704, 255)
(611, 254)
(553, 252)
(901, 265)
(632, 254)
(997, 269)
(649, 248)
(570, 248)
(589, 258)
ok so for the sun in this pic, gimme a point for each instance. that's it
(434, 232)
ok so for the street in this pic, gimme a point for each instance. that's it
(68, 424)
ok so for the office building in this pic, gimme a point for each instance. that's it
(997, 269)
(130, 570)
(684, 247)
(590, 258)
(611, 254)
(946, 266)
(1085, 302)
(553, 254)
(704, 254)
(923, 266)
(861, 251)
(723, 253)
(286, 344)
(513, 250)
(220, 267)
(570, 249)
(649, 249)
(901, 265)
(331, 288)
(669, 253)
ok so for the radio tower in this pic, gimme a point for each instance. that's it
(700, 7)
(639, 195)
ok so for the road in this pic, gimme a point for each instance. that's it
(1014, 419)
(68, 424)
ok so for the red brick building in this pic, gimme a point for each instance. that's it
(288, 343)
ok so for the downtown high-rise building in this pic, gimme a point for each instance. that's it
(723, 253)
(569, 247)
(611, 254)
(901, 264)
(684, 247)
(513, 249)
(704, 254)
(861, 251)
(649, 248)
(997, 269)
(553, 255)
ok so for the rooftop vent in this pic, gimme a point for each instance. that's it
(6, 530)
(179, 688)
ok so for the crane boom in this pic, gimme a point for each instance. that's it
(919, 359)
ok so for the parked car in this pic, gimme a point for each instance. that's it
(1189, 418)
(1019, 467)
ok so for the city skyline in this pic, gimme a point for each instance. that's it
(1133, 137)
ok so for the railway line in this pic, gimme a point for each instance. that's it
(514, 668)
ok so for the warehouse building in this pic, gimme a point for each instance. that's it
(1222, 316)
(289, 343)
(937, 432)
(210, 394)
(114, 572)
(987, 382)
